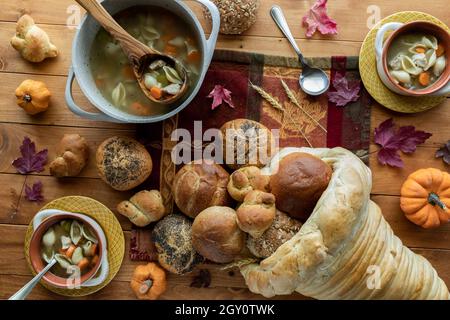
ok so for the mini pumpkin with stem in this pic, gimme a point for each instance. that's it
(425, 198)
(33, 96)
(148, 281)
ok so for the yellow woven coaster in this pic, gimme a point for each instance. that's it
(371, 80)
(109, 224)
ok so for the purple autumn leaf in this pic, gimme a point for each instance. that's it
(346, 91)
(34, 193)
(30, 160)
(220, 95)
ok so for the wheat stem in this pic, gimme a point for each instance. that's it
(294, 100)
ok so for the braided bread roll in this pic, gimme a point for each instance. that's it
(343, 242)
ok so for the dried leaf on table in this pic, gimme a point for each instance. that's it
(34, 193)
(30, 160)
(202, 280)
(444, 153)
(404, 139)
(318, 19)
(346, 91)
(220, 95)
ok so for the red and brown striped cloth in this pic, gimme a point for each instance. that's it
(347, 126)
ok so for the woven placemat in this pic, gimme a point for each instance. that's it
(369, 74)
(110, 225)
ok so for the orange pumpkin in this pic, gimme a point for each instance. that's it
(425, 197)
(148, 281)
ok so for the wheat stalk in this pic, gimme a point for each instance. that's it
(239, 263)
(294, 100)
(275, 104)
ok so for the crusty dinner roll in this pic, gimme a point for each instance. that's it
(299, 182)
(246, 179)
(173, 241)
(199, 185)
(251, 145)
(255, 215)
(282, 229)
(72, 155)
(123, 163)
(216, 235)
(143, 208)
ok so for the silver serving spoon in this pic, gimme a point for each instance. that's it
(313, 81)
(26, 289)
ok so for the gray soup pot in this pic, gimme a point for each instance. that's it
(81, 48)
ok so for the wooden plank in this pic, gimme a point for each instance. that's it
(352, 24)
(408, 232)
(13, 271)
(57, 113)
(48, 137)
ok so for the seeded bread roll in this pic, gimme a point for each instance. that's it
(255, 215)
(199, 185)
(173, 241)
(282, 229)
(216, 235)
(247, 179)
(246, 143)
(143, 208)
(299, 183)
(123, 163)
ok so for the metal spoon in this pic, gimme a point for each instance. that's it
(139, 55)
(313, 81)
(26, 289)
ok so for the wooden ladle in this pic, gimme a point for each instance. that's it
(139, 55)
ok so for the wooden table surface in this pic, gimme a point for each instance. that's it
(353, 18)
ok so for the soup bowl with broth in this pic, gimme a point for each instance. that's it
(414, 60)
(105, 76)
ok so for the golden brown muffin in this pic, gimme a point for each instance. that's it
(299, 182)
(123, 163)
(199, 185)
(246, 179)
(143, 208)
(173, 241)
(216, 235)
(282, 229)
(255, 215)
(251, 143)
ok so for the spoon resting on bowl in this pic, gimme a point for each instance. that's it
(140, 56)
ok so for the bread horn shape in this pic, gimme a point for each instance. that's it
(346, 249)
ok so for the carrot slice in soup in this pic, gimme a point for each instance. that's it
(440, 50)
(424, 78)
(83, 264)
(156, 92)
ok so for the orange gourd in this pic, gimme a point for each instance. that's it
(33, 96)
(425, 197)
(148, 281)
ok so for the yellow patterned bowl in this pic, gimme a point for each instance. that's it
(369, 73)
(111, 227)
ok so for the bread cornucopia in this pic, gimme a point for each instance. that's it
(344, 238)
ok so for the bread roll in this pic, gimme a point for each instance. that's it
(143, 208)
(255, 215)
(251, 145)
(72, 156)
(123, 163)
(216, 235)
(282, 229)
(246, 179)
(299, 182)
(173, 241)
(199, 185)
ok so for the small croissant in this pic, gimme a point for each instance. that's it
(73, 153)
(32, 42)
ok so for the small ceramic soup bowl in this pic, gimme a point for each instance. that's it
(83, 42)
(42, 221)
(441, 87)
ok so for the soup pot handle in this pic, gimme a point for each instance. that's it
(215, 18)
(380, 36)
(104, 271)
(76, 109)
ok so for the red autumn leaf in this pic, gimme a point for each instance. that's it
(317, 19)
(34, 193)
(220, 95)
(30, 160)
(345, 91)
(404, 139)
(444, 153)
